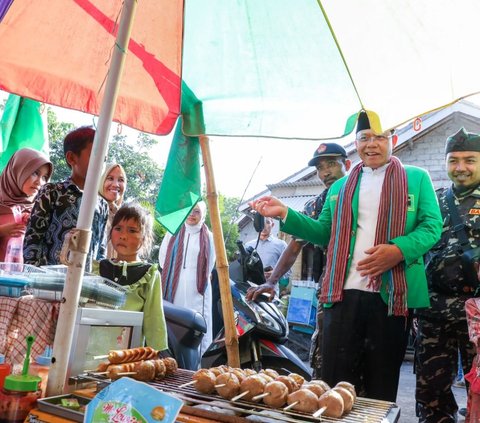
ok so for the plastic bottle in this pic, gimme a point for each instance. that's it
(14, 249)
(20, 393)
(5, 370)
(41, 367)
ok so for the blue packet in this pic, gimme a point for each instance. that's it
(130, 401)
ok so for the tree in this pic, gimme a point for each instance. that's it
(228, 213)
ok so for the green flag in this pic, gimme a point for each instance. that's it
(21, 126)
(181, 187)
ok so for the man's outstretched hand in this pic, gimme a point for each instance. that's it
(266, 288)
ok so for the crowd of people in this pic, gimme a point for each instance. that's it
(389, 251)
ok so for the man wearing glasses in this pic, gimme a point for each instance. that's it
(377, 222)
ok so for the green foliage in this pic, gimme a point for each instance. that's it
(56, 133)
(228, 207)
(143, 174)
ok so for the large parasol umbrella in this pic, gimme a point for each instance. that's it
(273, 68)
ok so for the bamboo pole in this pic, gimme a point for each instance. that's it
(231, 339)
(71, 292)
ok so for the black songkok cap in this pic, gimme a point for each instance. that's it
(463, 141)
(363, 122)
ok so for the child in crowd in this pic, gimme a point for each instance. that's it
(131, 236)
(57, 207)
(25, 173)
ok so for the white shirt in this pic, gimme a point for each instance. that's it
(371, 184)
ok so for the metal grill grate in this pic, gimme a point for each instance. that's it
(364, 411)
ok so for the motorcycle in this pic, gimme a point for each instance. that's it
(261, 327)
(185, 328)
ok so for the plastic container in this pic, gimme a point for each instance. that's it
(20, 392)
(14, 249)
(41, 367)
(5, 370)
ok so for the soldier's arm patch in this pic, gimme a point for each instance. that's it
(474, 211)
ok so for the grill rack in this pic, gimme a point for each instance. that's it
(365, 410)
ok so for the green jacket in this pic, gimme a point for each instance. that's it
(422, 230)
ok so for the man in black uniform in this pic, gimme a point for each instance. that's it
(331, 162)
(451, 273)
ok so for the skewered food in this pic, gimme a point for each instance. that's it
(333, 402)
(270, 372)
(160, 369)
(254, 385)
(291, 385)
(171, 365)
(132, 354)
(315, 388)
(322, 383)
(227, 385)
(217, 371)
(141, 370)
(304, 400)
(239, 373)
(265, 377)
(277, 394)
(297, 378)
(347, 396)
(204, 381)
(349, 387)
(144, 370)
(249, 372)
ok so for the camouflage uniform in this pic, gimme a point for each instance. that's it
(442, 329)
(313, 208)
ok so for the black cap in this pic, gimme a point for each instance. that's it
(463, 141)
(327, 149)
(363, 122)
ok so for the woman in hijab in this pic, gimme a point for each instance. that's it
(187, 260)
(25, 173)
(113, 184)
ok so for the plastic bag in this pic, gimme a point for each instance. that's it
(129, 401)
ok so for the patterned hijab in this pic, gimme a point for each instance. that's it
(20, 166)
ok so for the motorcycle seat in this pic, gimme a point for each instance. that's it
(185, 317)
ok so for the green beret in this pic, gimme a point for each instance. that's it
(463, 141)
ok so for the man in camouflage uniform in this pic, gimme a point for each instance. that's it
(442, 329)
(331, 162)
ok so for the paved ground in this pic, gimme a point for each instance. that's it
(406, 395)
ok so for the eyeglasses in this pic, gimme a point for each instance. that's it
(364, 138)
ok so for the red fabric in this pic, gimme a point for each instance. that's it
(20, 317)
(472, 309)
(391, 224)
(62, 57)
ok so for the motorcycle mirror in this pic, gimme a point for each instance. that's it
(258, 222)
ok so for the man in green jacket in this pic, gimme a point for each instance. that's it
(377, 222)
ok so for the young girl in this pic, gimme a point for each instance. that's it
(131, 236)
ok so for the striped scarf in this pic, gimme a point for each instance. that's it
(174, 261)
(392, 215)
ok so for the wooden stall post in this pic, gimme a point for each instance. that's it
(231, 339)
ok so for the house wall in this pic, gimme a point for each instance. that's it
(428, 149)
